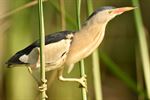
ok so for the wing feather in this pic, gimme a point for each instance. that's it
(52, 38)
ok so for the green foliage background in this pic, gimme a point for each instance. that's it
(120, 63)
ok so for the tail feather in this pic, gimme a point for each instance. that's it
(14, 60)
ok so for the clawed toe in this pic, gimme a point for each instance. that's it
(83, 82)
(43, 87)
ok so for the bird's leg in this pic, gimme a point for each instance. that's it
(42, 84)
(30, 70)
(33, 75)
(81, 80)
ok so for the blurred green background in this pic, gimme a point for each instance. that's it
(121, 67)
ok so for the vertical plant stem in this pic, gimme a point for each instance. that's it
(68, 17)
(42, 43)
(143, 46)
(139, 73)
(115, 69)
(78, 13)
(84, 93)
(96, 75)
(62, 8)
(95, 62)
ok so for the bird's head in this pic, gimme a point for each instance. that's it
(105, 14)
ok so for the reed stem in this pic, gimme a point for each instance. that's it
(42, 56)
(82, 70)
(143, 45)
(95, 63)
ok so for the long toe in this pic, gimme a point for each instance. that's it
(83, 82)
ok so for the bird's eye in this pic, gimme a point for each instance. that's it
(109, 12)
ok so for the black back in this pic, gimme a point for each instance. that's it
(51, 38)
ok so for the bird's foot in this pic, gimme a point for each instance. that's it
(83, 82)
(43, 87)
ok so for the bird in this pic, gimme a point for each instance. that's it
(65, 48)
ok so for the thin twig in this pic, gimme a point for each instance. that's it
(84, 92)
(42, 55)
(27, 5)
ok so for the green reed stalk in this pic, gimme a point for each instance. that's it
(68, 17)
(95, 62)
(114, 68)
(84, 92)
(42, 44)
(143, 46)
(62, 8)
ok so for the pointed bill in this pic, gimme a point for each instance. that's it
(122, 10)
